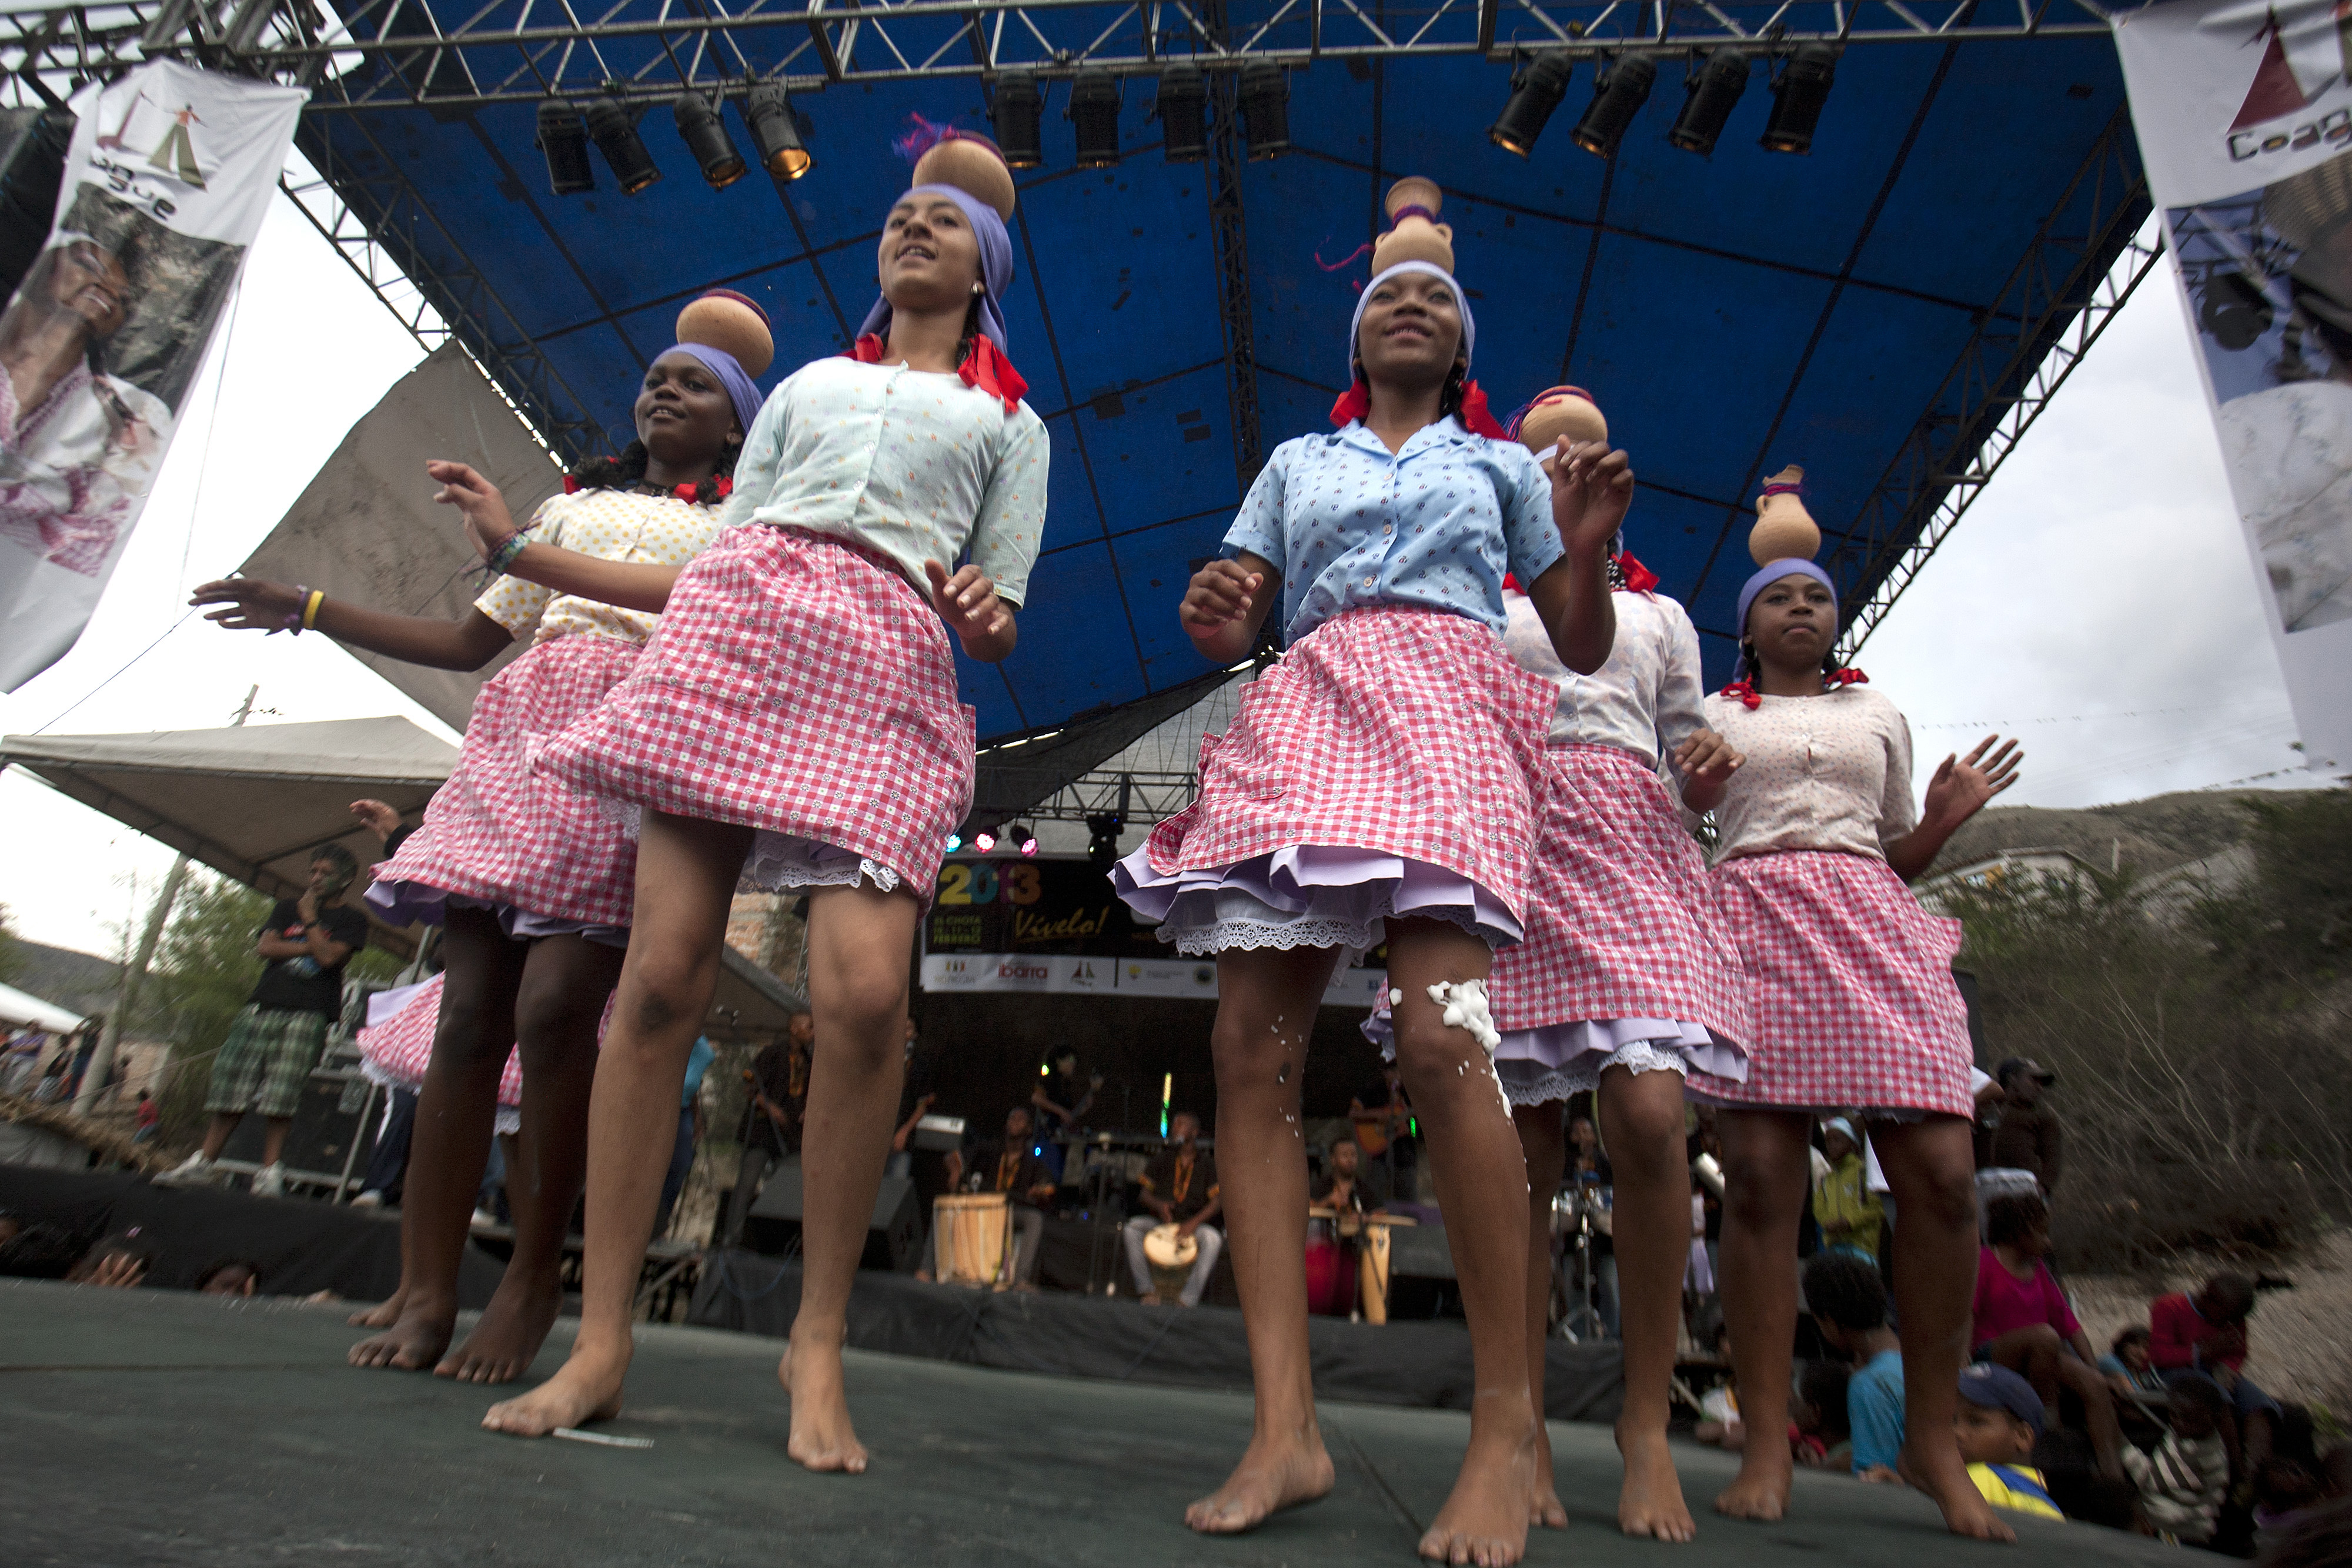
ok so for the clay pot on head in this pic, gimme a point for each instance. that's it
(1784, 530)
(972, 166)
(731, 323)
(1561, 411)
(1415, 236)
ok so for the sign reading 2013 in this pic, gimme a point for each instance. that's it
(1045, 905)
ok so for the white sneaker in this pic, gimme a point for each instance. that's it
(484, 1216)
(269, 1181)
(368, 1200)
(194, 1170)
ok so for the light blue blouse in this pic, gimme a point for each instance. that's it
(1349, 524)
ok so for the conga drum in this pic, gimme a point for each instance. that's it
(1330, 1280)
(1372, 1264)
(1171, 1255)
(969, 1227)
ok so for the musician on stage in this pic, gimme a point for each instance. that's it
(1010, 1165)
(1060, 1101)
(1179, 1188)
(1342, 1188)
(770, 1133)
(1383, 1119)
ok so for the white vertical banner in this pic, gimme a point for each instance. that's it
(2243, 111)
(169, 175)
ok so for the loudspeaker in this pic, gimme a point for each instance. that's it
(894, 1236)
(322, 1132)
(1421, 1274)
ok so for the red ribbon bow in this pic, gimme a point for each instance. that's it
(985, 367)
(1639, 578)
(1356, 401)
(689, 494)
(1744, 689)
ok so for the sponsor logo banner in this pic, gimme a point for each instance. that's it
(1067, 973)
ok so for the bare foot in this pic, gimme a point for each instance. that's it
(823, 1437)
(1652, 1501)
(1274, 1473)
(1760, 1490)
(1543, 1505)
(511, 1329)
(585, 1388)
(1940, 1473)
(416, 1339)
(1485, 1522)
(384, 1314)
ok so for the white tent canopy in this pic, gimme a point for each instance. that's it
(24, 1007)
(256, 802)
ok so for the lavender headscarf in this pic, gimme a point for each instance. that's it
(1795, 566)
(740, 390)
(1461, 303)
(995, 265)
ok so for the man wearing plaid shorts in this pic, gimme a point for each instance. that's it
(277, 1038)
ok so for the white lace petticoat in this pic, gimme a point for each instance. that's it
(1306, 895)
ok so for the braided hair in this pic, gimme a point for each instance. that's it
(1449, 402)
(627, 471)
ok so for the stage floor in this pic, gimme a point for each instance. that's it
(157, 1427)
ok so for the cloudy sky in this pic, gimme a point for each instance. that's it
(2096, 600)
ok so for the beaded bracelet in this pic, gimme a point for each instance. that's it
(500, 559)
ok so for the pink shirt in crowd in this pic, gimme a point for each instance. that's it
(2005, 1304)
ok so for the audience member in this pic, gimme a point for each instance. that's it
(39, 1250)
(1179, 1188)
(51, 1088)
(1591, 1175)
(2024, 1133)
(146, 1118)
(1010, 1165)
(230, 1277)
(1848, 1302)
(689, 1133)
(119, 1261)
(1998, 1420)
(2127, 1366)
(778, 1079)
(2181, 1485)
(385, 1183)
(1719, 1408)
(1853, 1217)
(1822, 1416)
(2022, 1321)
(2205, 1332)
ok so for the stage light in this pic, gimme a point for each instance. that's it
(613, 129)
(768, 112)
(955, 842)
(984, 841)
(1103, 829)
(1714, 89)
(1094, 109)
(1536, 92)
(1266, 109)
(1021, 839)
(1618, 96)
(1798, 96)
(705, 135)
(2233, 308)
(1182, 110)
(563, 137)
(1014, 114)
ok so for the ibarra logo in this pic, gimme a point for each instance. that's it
(2302, 55)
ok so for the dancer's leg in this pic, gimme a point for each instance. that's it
(860, 941)
(1763, 1192)
(686, 876)
(1481, 1183)
(1931, 1166)
(1545, 1148)
(565, 981)
(1266, 1000)
(1641, 1118)
(456, 1109)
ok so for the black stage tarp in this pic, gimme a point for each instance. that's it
(301, 1247)
(1426, 1364)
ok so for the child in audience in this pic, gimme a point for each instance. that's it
(1997, 1421)
(1825, 1433)
(2182, 1483)
(1848, 1301)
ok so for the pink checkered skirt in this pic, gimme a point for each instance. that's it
(396, 1051)
(501, 834)
(796, 684)
(1851, 998)
(1624, 958)
(1381, 768)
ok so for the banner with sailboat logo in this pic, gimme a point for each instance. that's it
(2243, 110)
(166, 182)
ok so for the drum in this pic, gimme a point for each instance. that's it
(1330, 1273)
(1171, 1255)
(1372, 1265)
(970, 1230)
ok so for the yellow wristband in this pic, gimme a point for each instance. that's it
(311, 609)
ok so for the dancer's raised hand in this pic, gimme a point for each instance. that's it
(1962, 786)
(251, 604)
(1591, 489)
(488, 525)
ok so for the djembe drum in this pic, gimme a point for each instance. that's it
(970, 1230)
(1171, 1255)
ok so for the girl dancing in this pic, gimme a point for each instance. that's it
(1376, 780)
(527, 877)
(1851, 1002)
(796, 725)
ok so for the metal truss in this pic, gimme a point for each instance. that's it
(459, 53)
(1229, 231)
(1135, 798)
(2098, 242)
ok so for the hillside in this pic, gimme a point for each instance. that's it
(2152, 835)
